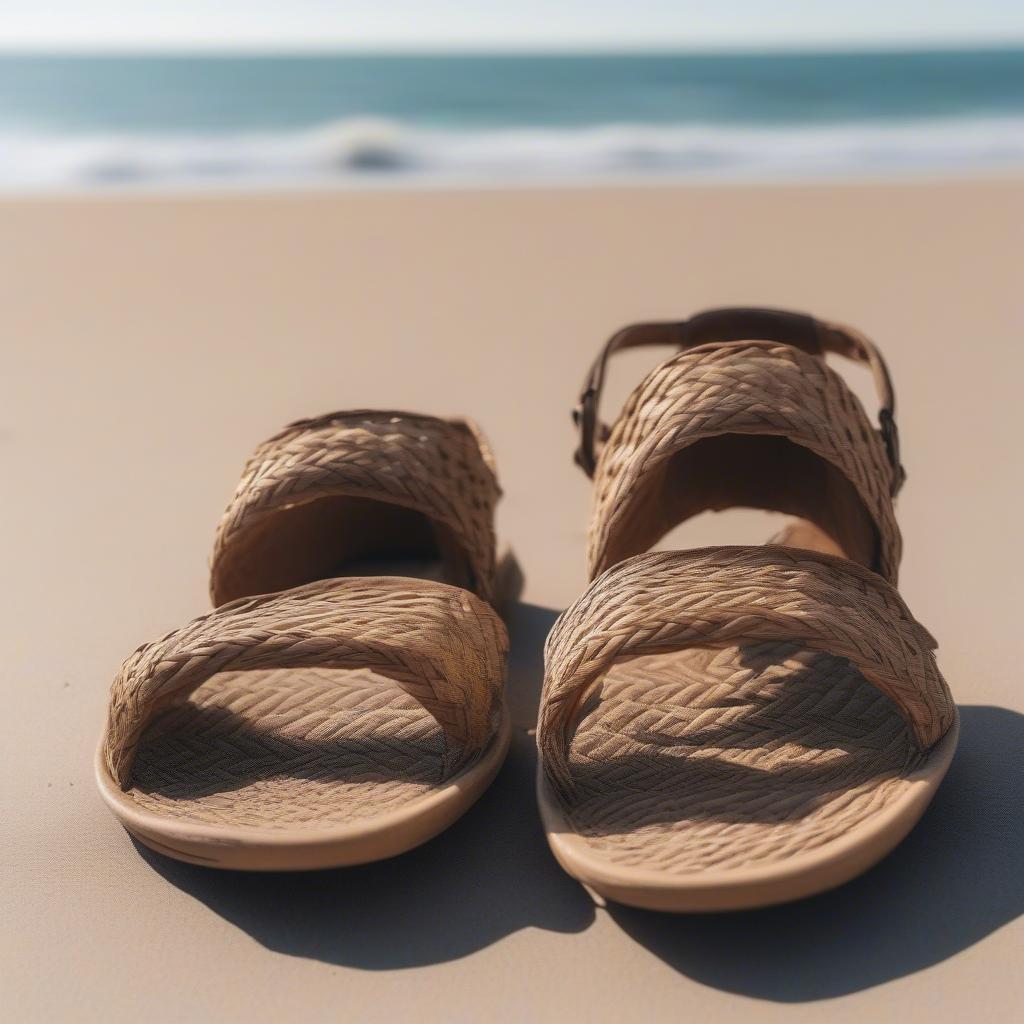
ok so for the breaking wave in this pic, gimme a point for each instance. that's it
(364, 150)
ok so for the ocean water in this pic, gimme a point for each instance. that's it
(115, 122)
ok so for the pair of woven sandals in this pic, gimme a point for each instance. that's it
(719, 728)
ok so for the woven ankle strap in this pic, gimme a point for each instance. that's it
(736, 323)
(756, 424)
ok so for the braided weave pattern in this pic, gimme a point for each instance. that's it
(729, 759)
(442, 468)
(288, 748)
(443, 645)
(745, 387)
(717, 597)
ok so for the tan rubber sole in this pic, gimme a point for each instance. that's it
(798, 876)
(247, 849)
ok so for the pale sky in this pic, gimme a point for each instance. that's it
(503, 24)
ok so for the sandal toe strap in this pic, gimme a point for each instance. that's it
(719, 597)
(444, 646)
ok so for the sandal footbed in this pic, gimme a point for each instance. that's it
(714, 780)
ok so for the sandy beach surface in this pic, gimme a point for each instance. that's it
(150, 342)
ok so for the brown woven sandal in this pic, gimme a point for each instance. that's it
(340, 716)
(733, 727)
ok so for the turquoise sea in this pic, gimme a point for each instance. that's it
(102, 121)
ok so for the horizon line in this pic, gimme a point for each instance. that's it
(554, 49)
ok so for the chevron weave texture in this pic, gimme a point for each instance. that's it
(712, 760)
(441, 468)
(754, 388)
(280, 749)
(732, 707)
(443, 645)
(344, 698)
(723, 597)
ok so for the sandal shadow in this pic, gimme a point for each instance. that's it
(958, 877)
(486, 877)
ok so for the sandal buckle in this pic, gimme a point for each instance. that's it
(891, 437)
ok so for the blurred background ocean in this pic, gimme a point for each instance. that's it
(74, 121)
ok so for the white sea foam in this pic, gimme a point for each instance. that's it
(367, 150)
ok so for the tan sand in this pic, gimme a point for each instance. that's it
(149, 343)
